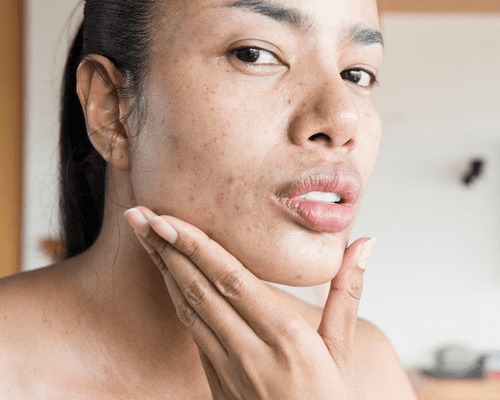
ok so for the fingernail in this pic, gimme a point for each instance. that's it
(136, 220)
(164, 229)
(150, 249)
(366, 253)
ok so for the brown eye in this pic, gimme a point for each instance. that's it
(254, 55)
(359, 77)
(247, 54)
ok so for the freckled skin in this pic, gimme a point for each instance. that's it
(230, 138)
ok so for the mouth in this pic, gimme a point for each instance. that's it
(325, 197)
(322, 199)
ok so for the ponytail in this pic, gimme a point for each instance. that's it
(121, 31)
(83, 170)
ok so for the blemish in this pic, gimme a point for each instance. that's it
(220, 198)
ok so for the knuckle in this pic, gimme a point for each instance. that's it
(197, 293)
(157, 242)
(231, 285)
(292, 334)
(186, 315)
(192, 246)
(159, 262)
(339, 349)
(355, 288)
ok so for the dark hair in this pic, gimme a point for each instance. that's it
(120, 30)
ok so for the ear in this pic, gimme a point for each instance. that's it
(105, 111)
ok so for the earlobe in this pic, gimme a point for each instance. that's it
(105, 112)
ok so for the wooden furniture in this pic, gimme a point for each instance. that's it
(11, 105)
(448, 389)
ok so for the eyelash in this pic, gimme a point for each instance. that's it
(254, 49)
(343, 74)
(373, 78)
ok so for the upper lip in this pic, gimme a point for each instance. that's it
(326, 178)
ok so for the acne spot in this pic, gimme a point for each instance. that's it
(299, 276)
(220, 198)
(180, 165)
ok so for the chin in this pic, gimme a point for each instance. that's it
(303, 265)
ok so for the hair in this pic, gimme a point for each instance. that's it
(120, 30)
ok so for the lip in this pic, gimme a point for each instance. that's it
(316, 215)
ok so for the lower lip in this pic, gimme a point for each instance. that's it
(318, 216)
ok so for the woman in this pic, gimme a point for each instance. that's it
(250, 127)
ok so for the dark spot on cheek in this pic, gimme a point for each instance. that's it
(299, 276)
(230, 181)
(191, 199)
(237, 207)
(210, 234)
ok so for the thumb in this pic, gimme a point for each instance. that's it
(340, 315)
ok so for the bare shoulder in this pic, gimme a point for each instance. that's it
(382, 373)
(27, 337)
(16, 338)
(379, 365)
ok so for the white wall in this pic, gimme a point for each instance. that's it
(434, 277)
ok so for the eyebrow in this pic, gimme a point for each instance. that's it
(361, 34)
(282, 14)
(357, 33)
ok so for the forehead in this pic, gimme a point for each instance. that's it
(321, 14)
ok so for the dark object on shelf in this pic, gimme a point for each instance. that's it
(476, 169)
(457, 363)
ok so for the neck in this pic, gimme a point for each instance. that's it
(129, 307)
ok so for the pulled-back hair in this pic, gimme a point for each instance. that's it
(120, 30)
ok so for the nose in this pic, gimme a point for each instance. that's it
(327, 116)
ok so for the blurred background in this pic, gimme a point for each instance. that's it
(433, 203)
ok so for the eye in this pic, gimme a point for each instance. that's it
(360, 77)
(254, 55)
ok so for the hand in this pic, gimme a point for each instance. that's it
(252, 345)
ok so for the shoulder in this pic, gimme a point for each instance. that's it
(379, 364)
(383, 375)
(28, 332)
(17, 341)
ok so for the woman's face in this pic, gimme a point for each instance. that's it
(259, 113)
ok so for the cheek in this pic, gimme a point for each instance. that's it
(370, 140)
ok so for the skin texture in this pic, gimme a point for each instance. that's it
(220, 139)
(246, 121)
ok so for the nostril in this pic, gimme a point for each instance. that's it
(320, 136)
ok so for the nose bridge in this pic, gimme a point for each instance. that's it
(328, 114)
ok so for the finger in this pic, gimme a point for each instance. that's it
(202, 334)
(192, 292)
(211, 373)
(267, 316)
(338, 323)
